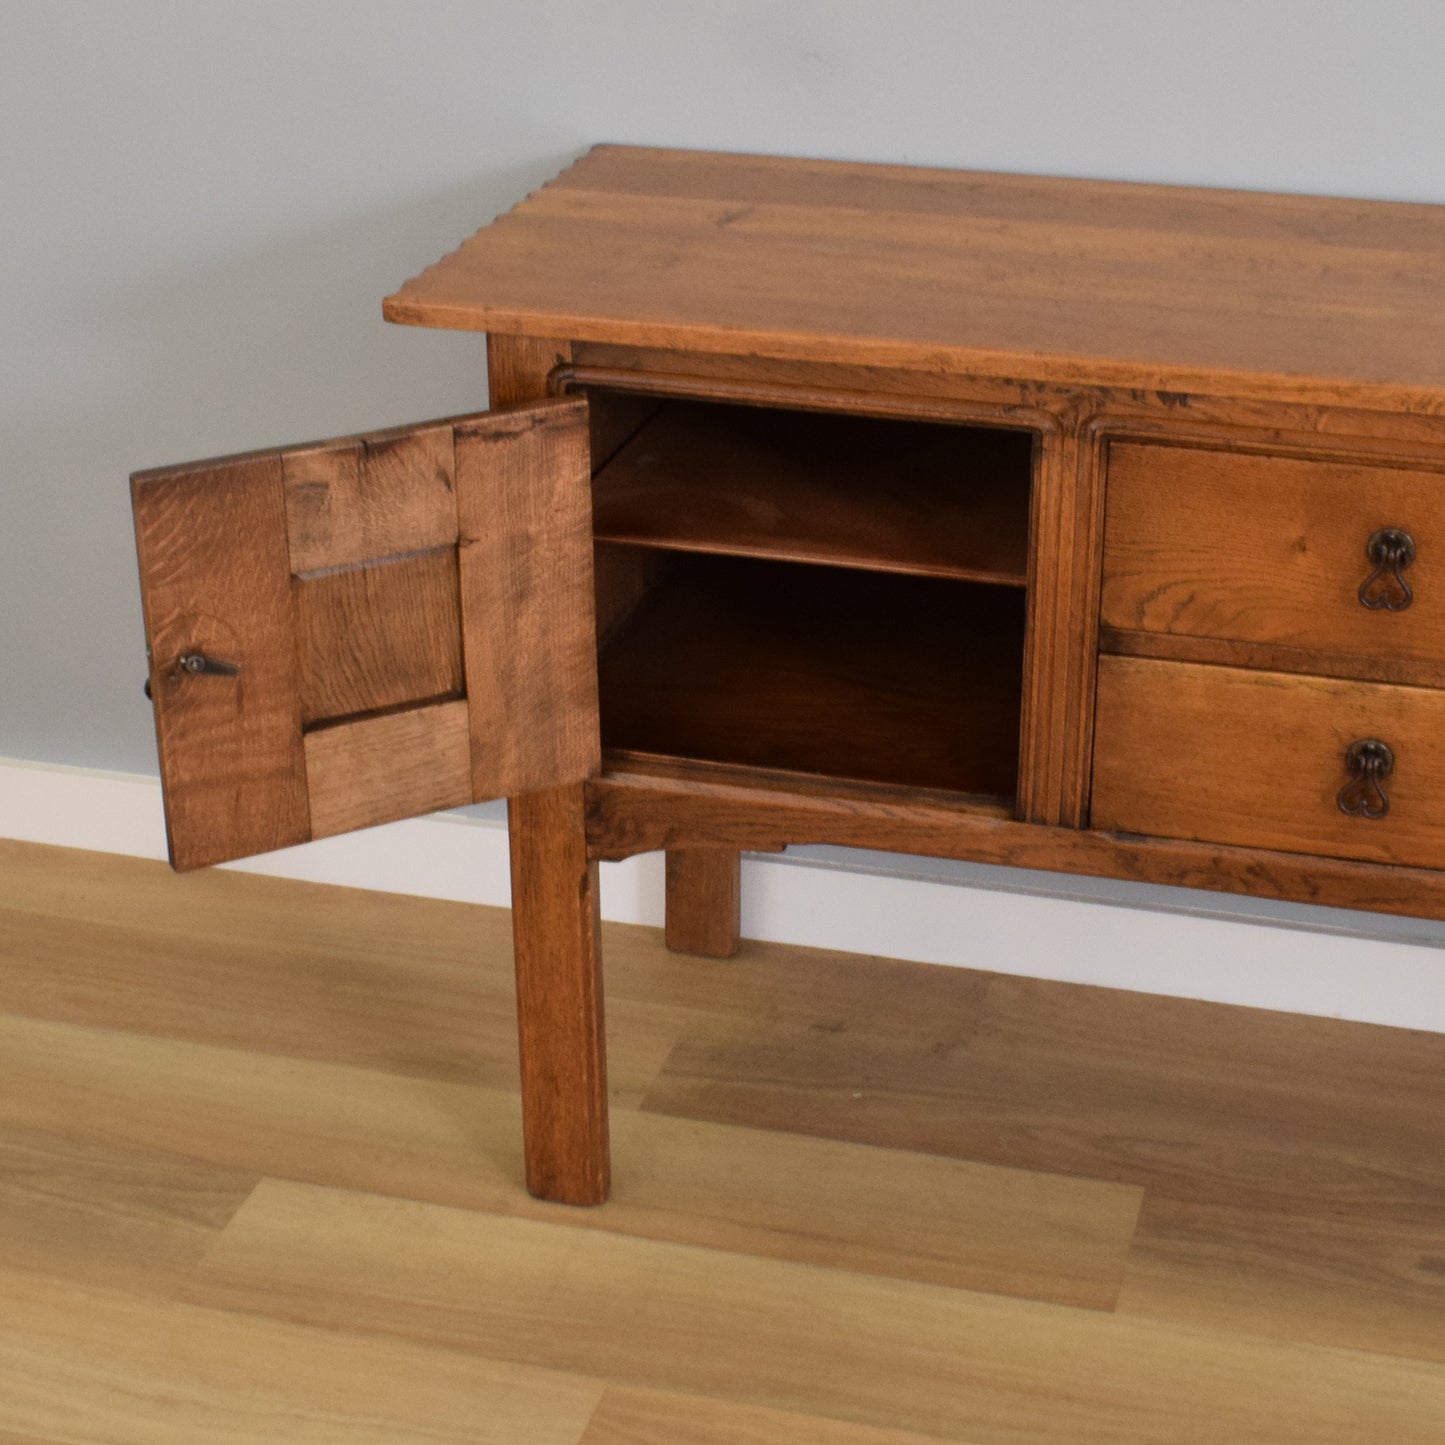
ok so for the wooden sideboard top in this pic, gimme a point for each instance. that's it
(1170, 288)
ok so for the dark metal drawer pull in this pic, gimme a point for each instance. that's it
(1369, 762)
(1390, 551)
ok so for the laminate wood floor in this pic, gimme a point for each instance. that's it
(260, 1175)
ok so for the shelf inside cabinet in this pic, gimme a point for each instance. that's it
(918, 497)
(835, 672)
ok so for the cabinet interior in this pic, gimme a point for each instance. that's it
(814, 592)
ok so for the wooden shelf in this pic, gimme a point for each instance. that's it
(924, 498)
(821, 670)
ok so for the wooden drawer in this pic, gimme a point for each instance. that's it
(1271, 550)
(1226, 755)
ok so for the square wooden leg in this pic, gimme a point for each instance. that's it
(555, 932)
(704, 901)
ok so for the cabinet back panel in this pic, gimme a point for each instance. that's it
(927, 498)
(822, 670)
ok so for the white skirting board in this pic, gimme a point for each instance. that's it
(1157, 940)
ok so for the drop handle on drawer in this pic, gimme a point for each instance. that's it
(1369, 762)
(1390, 551)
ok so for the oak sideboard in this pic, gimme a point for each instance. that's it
(1083, 526)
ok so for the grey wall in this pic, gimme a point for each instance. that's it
(202, 206)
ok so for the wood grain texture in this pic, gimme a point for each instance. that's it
(107, 1214)
(556, 922)
(640, 806)
(528, 619)
(1297, 1195)
(1272, 657)
(330, 575)
(233, 1115)
(1265, 421)
(518, 367)
(108, 1368)
(162, 1037)
(375, 637)
(1059, 659)
(856, 391)
(856, 675)
(662, 1316)
(1257, 759)
(1023, 1233)
(1280, 1139)
(1268, 549)
(1059, 641)
(623, 577)
(1153, 287)
(1306, 1270)
(360, 498)
(922, 497)
(1064, 522)
(380, 769)
(651, 1417)
(303, 965)
(613, 419)
(1229, 1106)
(704, 901)
(230, 747)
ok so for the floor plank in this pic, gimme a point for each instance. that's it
(895, 1354)
(93, 1367)
(649, 1417)
(1191, 1101)
(430, 945)
(1294, 1168)
(302, 966)
(834, 994)
(1308, 1273)
(864, 1195)
(447, 1016)
(951, 1222)
(86, 1210)
(785, 1196)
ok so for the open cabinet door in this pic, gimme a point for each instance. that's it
(368, 629)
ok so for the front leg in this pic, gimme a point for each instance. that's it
(556, 938)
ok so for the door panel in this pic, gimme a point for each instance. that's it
(393, 765)
(529, 632)
(387, 493)
(216, 584)
(368, 629)
(376, 637)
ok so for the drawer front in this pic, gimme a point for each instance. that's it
(1258, 549)
(1226, 755)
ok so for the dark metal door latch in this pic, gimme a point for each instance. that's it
(197, 663)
